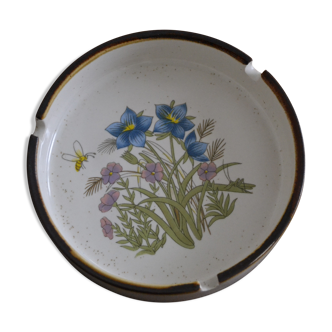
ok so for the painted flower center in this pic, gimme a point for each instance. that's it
(111, 173)
(169, 117)
(129, 127)
(205, 171)
(153, 173)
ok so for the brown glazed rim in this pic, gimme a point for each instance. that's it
(184, 291)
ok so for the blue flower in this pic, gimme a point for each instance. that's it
(195, 149)
(131, 129)
(172, 120)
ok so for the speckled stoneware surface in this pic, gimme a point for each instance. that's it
(164, 166)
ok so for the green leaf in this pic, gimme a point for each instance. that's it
(182, 145)
(130, 248)
(185, 158)
(140, 240)
(249, 186)
(142, 234)
(189, 176)
(172, 104)
(126, 226)
(192, 161)
(157, 230)
(136, 215)
(163, 136)
(213, 206)
(211, 209)
(189, 117)
(126, 198)
(179, 207)
(152, 236)
(213, 220)
(153, 244)
(176, 139)
(226, 204)
(173, 232)
(145, 247)
(149, 133)
(117, 188)
(163, 239)
(130, 147)
(231, 208)
(213, 200)
(126, 206)
(159, 243)
(127, 183)
(222, 167)
(212, 214)
(146, 158)
(144, 252)
(221, 199)
(123, 242)
(133, 241)
(137, 221)
(140, 114)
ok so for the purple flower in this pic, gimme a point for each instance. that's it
(207, 171)
(108, 200)
(111, 172)
(153, 172)
(106, 225)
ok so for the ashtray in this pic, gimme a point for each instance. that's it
(164, 166)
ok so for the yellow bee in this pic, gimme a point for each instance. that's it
(80, 156)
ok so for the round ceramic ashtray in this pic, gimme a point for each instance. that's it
(164, 166)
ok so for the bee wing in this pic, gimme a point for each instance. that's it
(70, 157)
(78, 149)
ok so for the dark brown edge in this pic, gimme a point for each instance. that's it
(154, 34)
(280, 94)
(186, 288)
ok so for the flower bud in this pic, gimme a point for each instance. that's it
(130, 158)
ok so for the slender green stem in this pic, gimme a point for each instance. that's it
(120, 211)
(172, 147)
(170, 177)
(128, 191)
(168, 196)
(130, 172)
(148, 242)
(163, 188)
(175, 169)
(200, 203)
